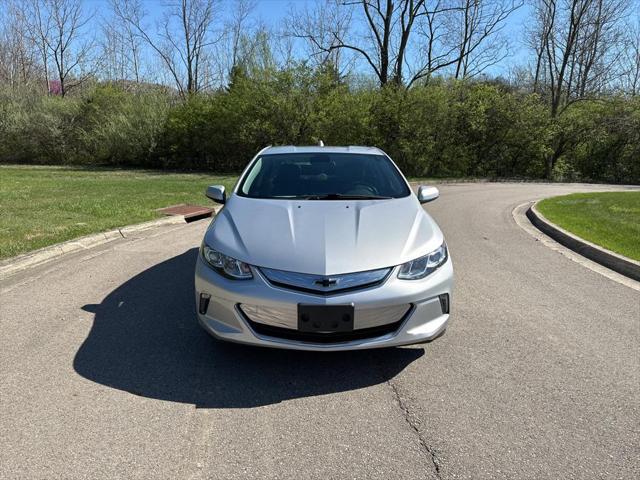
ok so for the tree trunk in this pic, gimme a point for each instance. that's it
(553, 158)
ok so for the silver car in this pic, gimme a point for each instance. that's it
(323, 248)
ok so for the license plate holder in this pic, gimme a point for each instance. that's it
(325, 318)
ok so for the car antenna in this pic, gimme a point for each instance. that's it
(320, 143)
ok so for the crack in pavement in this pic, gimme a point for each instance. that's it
(406, 414)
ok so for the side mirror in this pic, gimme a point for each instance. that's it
(216, 193)
(427, 194)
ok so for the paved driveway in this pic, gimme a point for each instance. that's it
(104, 372)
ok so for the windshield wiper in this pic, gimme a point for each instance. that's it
(340, 196)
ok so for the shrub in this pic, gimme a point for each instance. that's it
(446, 129)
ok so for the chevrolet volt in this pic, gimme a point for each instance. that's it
(323, 248)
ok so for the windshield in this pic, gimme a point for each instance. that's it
(323, 176)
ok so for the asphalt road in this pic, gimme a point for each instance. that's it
(104, 372)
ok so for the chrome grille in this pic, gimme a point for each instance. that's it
(287, 316)
(279, 317)
(325, 284)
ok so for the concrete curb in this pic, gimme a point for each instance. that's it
(43, 255)
(618, 263)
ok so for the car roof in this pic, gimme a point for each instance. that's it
(320, 149)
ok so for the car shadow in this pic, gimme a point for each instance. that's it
(146, 340)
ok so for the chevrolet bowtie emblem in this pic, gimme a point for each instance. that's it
(327, 282)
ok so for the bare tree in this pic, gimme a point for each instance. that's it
(181, 40)
(436, 48)
(630, 61)
(57, 27)
(67, 44)
(599, 50)
(580, 42)
(403, 41)
(18, 62)
(579, 45)
(237, 27)
(322, 28)
(381, 19)
(480, 22)
(463, 37)
(577, 53)
(538, 36)
(121, 49)
(382, 44)
(38, 29)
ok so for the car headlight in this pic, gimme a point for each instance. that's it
(423, 266)
(228, 266)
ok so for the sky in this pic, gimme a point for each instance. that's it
(271, 11)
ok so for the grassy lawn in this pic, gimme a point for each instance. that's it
(608, 219)
(40, 206)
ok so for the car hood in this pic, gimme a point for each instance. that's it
(323, 237)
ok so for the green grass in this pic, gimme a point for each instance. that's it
(608, 219)
(40, 206)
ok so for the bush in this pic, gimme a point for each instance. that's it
(603, 140)
(445, 129)
(107, 126)
(120, 128)
(38, 129)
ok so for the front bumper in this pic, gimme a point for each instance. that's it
(422, 318)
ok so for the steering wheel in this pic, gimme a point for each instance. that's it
(360, 188)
